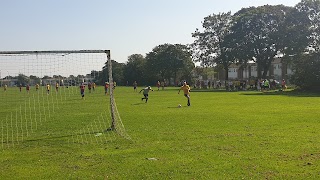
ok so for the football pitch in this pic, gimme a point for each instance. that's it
(222, 135)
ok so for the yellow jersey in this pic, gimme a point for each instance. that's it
(186, 89)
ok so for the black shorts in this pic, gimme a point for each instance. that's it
(187, 95)
(146, 95)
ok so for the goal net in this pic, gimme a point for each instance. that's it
(62, 95)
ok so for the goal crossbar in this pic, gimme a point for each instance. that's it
(56, 51)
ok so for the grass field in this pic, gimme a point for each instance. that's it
(222, 135)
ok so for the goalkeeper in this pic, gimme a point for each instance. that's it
(146, 93)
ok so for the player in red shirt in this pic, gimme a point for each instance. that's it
(89, 87)
(28, 88)
(82, 88)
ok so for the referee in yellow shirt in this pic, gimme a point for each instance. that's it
(186, 91)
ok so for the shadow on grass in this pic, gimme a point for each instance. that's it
(209, 90)
(174, 107)
(137, 104)
(96, 133)
(293, 93)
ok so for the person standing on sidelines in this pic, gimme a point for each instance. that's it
(106, 87)
(146, 93)
(186, 91)
(283, 85)
(266, 85)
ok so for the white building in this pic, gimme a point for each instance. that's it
(278, 71)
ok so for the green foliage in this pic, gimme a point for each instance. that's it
(117, 73)
(310, 10)
(306, 72)
(22, 79)
(256, 34)
(169, 61)
(212, 47)
(135, 69)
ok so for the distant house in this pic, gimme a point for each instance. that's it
(278, 71)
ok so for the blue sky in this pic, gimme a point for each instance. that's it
(124, 26)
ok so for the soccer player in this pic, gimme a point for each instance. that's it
(158, 85)
(93, 86)
(135, 84)
(82, 88)
(162, 85)
(186, 91)
(146, 93)
(89, 87)
(57, 87)
(48, 89)
(114, 84)
(28, 88)
(20, 87)
(106, 87)
(37, 87)
(5, 87)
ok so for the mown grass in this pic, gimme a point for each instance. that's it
(222, 135)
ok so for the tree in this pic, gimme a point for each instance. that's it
(256, 35)
(169, 61)
(211, 46)
(306, 62)
(35, 79)
(135, 69)
(307, 74)
(310, 11)
(22, 79)
(117, 73)
(94, 74)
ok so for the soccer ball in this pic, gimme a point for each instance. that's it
(179, 106)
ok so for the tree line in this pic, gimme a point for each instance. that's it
(166, 62)
(259, 34)
(253, 34)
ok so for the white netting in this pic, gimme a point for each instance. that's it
(41, 100)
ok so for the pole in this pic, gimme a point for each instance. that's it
(112, 106)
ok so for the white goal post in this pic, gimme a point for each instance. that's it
(35, 108)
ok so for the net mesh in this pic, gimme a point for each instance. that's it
(41, 98)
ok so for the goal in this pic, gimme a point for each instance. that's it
(58, 95)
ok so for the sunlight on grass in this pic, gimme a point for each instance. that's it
(222, 135)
